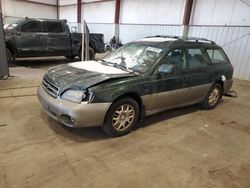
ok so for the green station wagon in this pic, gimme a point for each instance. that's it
(139, 79)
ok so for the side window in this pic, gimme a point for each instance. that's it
(196, 58)
(216, 56)
(54, 27)
(32, 26)
(176, 58)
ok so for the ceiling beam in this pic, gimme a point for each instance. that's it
(89, 2)
(38, 3)
(101, 1)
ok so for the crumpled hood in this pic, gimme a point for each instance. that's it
(81, 75)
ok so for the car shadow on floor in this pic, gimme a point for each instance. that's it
(40, 63)
(88, 134)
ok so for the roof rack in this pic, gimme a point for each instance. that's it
(196, 39)
(164, 36)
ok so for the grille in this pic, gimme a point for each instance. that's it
(50, 88)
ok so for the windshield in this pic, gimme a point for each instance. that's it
(135, 57)
(13, 24)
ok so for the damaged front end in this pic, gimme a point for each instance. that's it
(71, 82)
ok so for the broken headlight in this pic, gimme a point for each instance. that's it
(74, 95)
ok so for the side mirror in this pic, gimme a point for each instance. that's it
(166, 69)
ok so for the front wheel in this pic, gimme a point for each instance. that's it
(121, 117)
(213, 97)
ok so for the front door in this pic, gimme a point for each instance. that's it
(31, 40)
(170, 87)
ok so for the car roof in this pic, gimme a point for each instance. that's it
(44, 19)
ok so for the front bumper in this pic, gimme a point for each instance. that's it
(72, 114)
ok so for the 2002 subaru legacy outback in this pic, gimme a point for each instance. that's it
(141, 78)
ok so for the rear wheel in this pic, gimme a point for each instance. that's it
(121, 117)
(91, 54)
(213, 97)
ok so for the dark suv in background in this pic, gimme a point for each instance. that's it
(139, 79)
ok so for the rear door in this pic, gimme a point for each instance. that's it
(198, 73)
(31, 40)
(58, 38)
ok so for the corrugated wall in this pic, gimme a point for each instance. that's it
(106, 29)
(14, 8)
(130, 32)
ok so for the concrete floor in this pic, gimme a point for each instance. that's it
(187, 147)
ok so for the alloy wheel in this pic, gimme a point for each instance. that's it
(214, 96)
(123, 117)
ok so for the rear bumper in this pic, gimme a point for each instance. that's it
(72, 114)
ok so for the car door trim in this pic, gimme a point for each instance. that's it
(148, 100)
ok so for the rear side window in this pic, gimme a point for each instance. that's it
(196, 58)
(216, 56)
(54, 27)
(32, 26)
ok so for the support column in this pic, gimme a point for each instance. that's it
(79, 15)
(186, 17)
(57, 9)
(4, 69)
(117, 18)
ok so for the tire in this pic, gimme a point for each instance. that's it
(213, 97)
(91, 54)
(71, 57)
(9, 56)
(118, 122)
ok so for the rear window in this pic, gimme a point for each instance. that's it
(54, 27)
(216, 56)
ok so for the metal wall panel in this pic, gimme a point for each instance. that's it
(10, 19)
(130, 32)
(152, 12)
(27, 9)
(234, 40)
(103, 12)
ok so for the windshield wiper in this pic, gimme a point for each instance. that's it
(116, 65)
